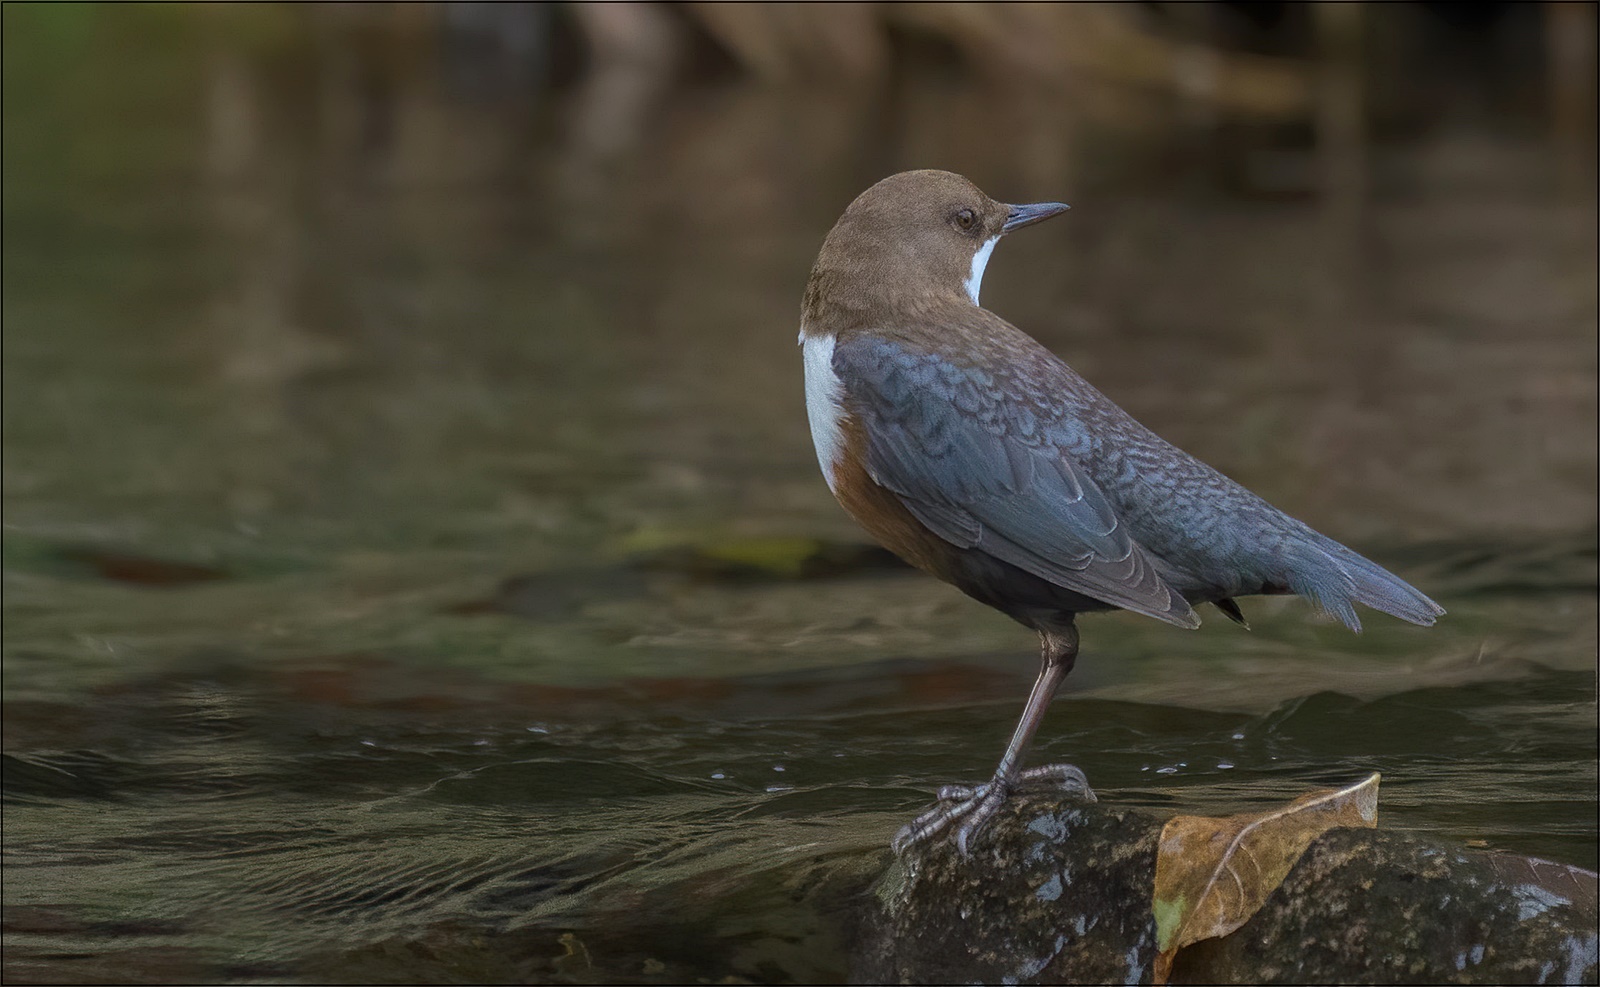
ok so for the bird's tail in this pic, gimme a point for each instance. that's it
(1335, 579)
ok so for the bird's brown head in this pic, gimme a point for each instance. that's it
(915, 239)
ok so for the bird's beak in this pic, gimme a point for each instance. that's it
(1033, 212)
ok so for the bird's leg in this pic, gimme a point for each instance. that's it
(973, 805)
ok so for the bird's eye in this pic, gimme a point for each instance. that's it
(965, 220)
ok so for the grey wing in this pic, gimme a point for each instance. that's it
(976, 466)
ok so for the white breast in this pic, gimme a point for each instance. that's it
(824, 396)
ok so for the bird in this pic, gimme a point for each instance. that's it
(977, 455)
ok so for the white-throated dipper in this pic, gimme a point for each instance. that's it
(977, 455)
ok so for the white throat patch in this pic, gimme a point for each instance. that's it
(980, 260)
(824, 397)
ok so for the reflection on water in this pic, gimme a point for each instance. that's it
(345, 634)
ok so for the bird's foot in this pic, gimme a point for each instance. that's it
(973, 806)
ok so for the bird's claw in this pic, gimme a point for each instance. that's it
(973, 806)
(955, 803)
(1068, 777)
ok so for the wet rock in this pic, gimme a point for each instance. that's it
(767, 560)
(727, 561)
(556, 594)
(1059, 891)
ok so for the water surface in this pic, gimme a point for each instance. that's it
(416, 566)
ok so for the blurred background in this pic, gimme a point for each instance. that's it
(416, 566)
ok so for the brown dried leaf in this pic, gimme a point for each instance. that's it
(1213, 874)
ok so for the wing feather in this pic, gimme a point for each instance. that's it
(983, 467)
